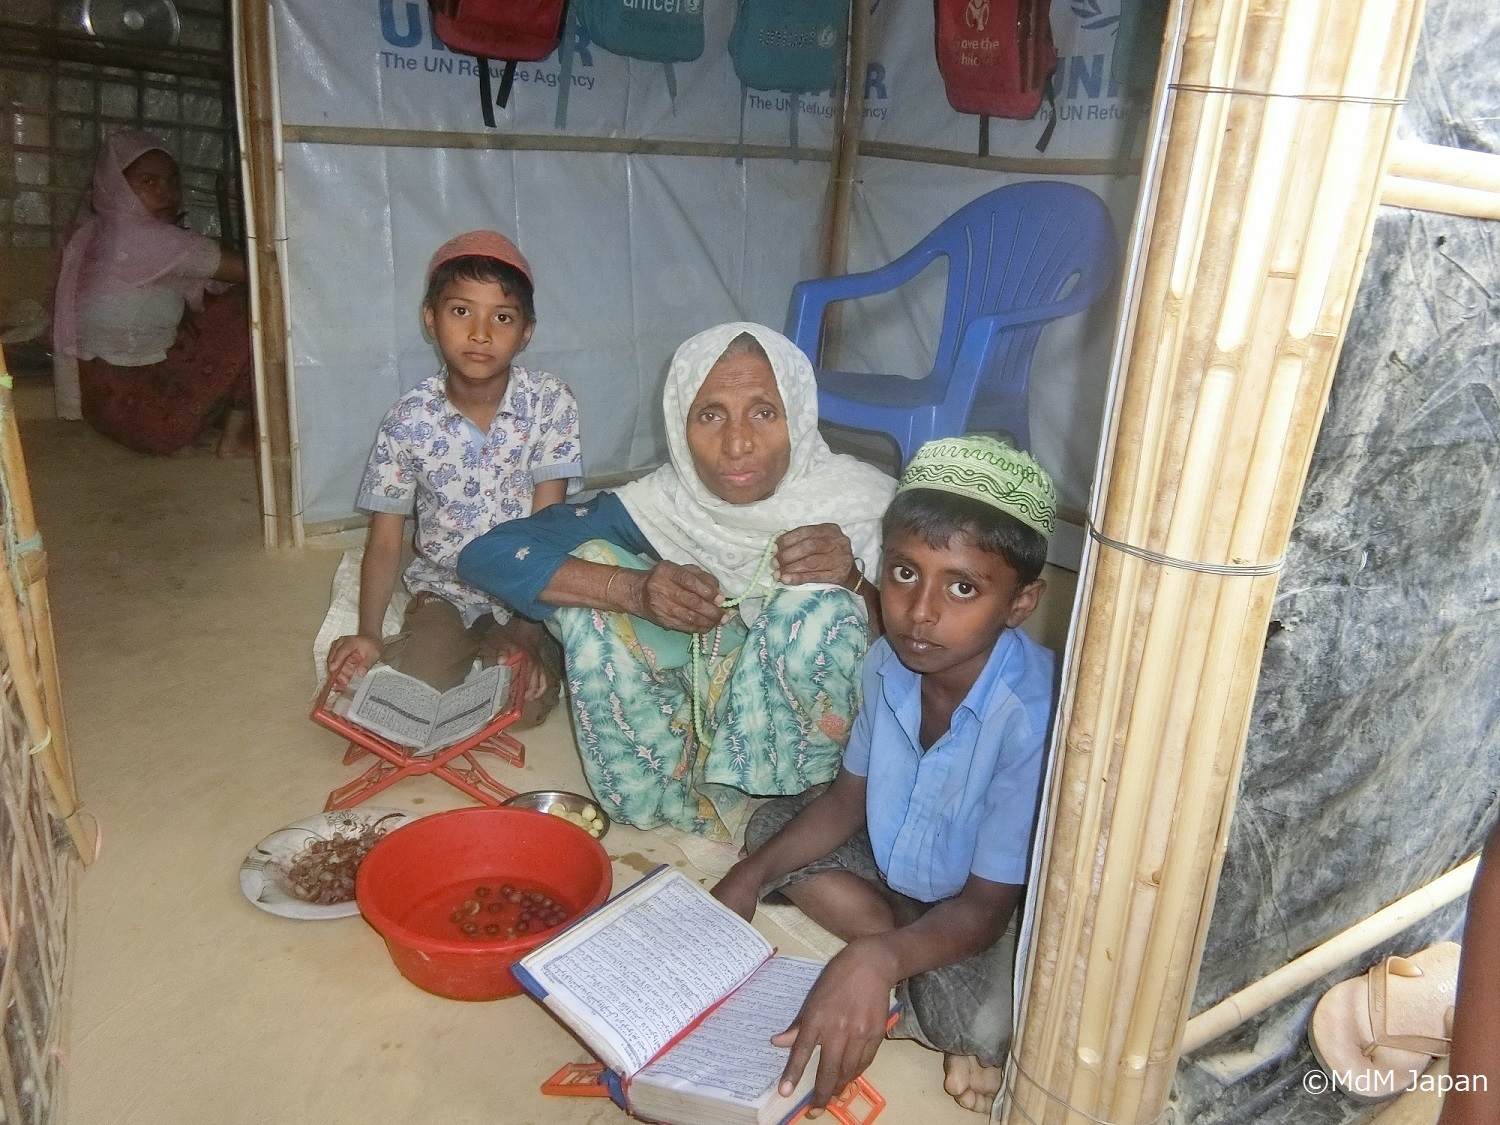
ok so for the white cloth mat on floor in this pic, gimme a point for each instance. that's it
(343, 610)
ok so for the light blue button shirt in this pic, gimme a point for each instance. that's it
(969, 803)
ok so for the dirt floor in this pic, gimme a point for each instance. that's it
(187, 679)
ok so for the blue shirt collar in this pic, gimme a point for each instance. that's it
(903, 688)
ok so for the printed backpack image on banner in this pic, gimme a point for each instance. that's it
(516, 30)
(664, 31)
(996, 56)
(509, 31)
(791, 45)
(661, 31)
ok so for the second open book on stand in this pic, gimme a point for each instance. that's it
(679, 996)
(412, 713)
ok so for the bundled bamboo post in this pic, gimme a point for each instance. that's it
(27, 638)
(1274, 119)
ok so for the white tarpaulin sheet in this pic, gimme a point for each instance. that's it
(634, 253)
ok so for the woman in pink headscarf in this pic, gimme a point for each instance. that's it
(129, 356)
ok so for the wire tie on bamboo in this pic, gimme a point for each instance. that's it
(1015, 1068)
(700, 728)
(1232, 91)
(1245, 570)
(42, 745)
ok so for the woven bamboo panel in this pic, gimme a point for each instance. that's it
(41, 829)
(36, 871)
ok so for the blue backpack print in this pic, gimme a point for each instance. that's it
(663, 31)
(794, 46)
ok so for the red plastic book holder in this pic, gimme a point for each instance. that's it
(455, 764)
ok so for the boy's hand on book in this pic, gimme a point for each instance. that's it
(819, 552)
(350, 655)
(845, 1014)
(684, 598)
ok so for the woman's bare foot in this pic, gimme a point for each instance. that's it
(238, 438)
(972, 1084)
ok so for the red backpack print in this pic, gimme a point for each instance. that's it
(511, 31)
(997, 57)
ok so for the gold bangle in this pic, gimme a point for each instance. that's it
(611, 581)
(859, 581)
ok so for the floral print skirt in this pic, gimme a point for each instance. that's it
(776, 700)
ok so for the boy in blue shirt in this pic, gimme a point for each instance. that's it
(916, 853)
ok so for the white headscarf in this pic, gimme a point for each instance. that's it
(687, 523)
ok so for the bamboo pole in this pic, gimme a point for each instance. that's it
(1359, 938)
(1275, 119)
(1446, 199)
(1441, 164)
(835, 256)
(838, 194)
(643, 146)
(255, 82)
(377, 137)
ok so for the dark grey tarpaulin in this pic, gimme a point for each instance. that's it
(1374, 749)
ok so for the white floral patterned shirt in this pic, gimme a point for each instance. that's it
(431, 461)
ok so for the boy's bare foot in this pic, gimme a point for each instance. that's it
(972, 1084)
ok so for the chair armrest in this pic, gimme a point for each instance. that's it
(983, 331)
(804, 316)
(1082, 297)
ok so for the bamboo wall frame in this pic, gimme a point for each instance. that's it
(259, 121)
(1256, 219)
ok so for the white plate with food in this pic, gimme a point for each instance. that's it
(306, 870)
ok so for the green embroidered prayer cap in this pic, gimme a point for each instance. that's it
(989, 471)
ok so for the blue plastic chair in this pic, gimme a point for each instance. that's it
(1018, 257)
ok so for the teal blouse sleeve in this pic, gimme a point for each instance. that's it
(515, 560)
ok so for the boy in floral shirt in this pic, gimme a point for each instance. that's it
(481, 442)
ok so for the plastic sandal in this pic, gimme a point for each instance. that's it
(1377, 1033)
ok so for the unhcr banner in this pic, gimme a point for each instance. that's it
(377, 63)
(636, 250)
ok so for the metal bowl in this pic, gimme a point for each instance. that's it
(541, 800)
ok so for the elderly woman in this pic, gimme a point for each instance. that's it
(128, 357)
(715, 613)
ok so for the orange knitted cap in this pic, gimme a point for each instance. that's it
(481, 244)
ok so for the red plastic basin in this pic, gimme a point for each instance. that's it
(412, 879)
